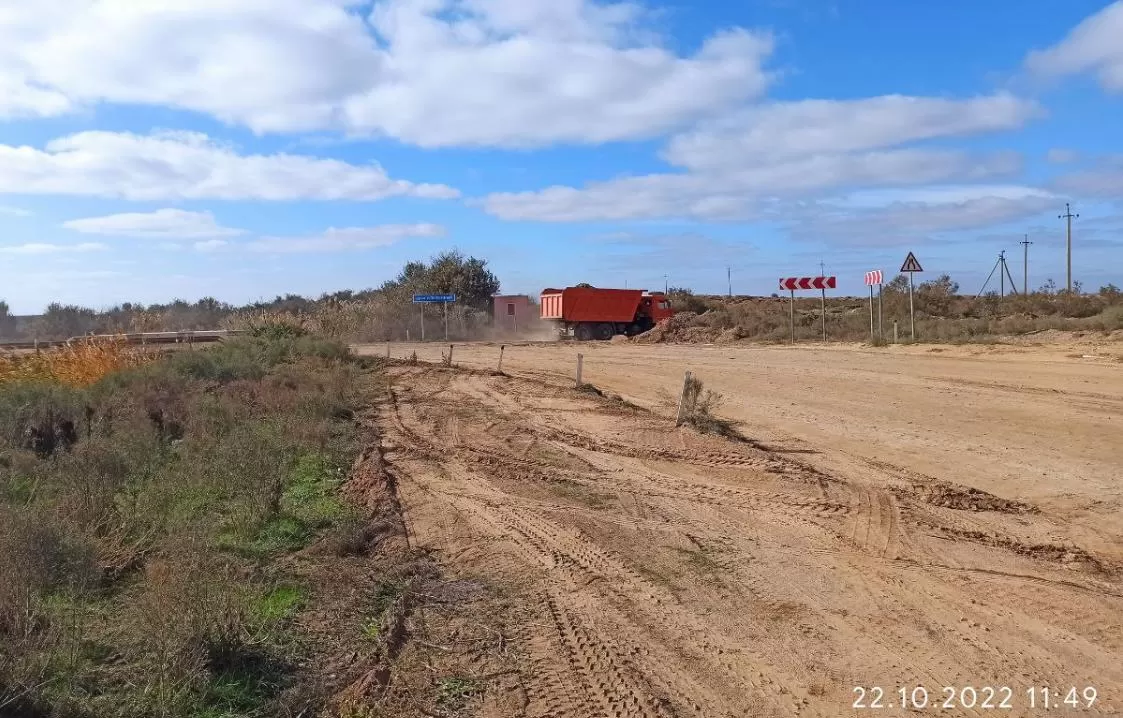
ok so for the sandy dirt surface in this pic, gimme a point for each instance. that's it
(896, 518)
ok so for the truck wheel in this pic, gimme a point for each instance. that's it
(605, 331)
(583, 332)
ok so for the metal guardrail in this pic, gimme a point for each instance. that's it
(139, 338)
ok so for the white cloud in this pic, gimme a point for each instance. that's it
(746, 192)
(211, 245)
(14, 211)
(1059, 156)
(1095, 45)
(42, 248)
(1103, 182)
(428, 72)
(349, 238)
(782, 131)
(736, 165)
(911, 216)
(189, 165)
(161, 224)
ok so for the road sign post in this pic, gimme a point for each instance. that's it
(792, 305)
(874, 278)
(911, 267)
(823, 283)
(422, 299)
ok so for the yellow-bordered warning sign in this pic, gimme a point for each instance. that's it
(911, 265)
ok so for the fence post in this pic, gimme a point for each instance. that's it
(500, 367)
(894, 331)
(449, 355)
(387, 350)
(682, 399)
(580, 367)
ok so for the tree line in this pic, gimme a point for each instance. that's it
(447, 273)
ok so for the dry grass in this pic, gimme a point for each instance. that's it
(955, 319)
(148, 517)
(80, 363)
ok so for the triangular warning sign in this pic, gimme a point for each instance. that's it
(911, 265)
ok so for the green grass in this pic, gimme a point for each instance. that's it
(454, 692)
(278, 604)
(195, 479)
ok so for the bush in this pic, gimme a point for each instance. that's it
(142, 516)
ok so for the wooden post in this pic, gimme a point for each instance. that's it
(449, 355)
(580, 367)
(387, 350)
(422, 307)
(894, 331)
(500, 367)
(792, 306)
(682, 399)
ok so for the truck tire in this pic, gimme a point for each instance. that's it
(605, 331)
(583, 332)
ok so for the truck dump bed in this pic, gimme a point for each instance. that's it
(589, 304)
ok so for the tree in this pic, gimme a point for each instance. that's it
(1049, 287)
(900, 284)
(935, 295)
(1110, 291)
(65, 321)
(447, 273)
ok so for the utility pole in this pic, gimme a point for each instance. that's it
(1003, 274)
(1025, 265)
(822, 269)
(1069, 216)
(666, 286)
(729, 278)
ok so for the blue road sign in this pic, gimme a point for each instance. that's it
(433, 298)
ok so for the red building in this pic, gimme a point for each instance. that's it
(512, 312)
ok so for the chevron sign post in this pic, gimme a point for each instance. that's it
(820, 283)
(874, 279)
(794, 283)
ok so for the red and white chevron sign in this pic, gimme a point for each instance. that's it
(808, 283)
(873, 278)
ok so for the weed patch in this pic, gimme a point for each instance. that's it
(146, 518)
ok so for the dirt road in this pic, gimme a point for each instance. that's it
(897, 520)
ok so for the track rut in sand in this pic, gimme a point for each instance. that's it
(658, 572)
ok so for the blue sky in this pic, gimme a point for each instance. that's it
(247, 148)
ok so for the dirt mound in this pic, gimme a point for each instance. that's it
(684, 327)
(966, 498)
(730, 336)
(621, 339)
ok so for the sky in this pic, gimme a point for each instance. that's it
(247, 148)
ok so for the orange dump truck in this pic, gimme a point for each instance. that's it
(592, 313)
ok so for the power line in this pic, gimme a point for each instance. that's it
(1068, 215)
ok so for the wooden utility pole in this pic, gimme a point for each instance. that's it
(729, 279)
(1069, 216)
(1025, 265)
